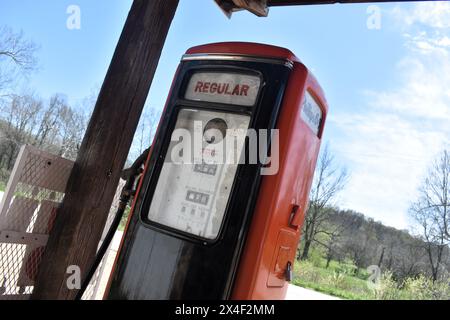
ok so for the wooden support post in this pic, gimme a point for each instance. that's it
(94, 178)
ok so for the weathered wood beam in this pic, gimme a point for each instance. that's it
(94, 178)
(273, 3)
(261, 7)
(257, 7)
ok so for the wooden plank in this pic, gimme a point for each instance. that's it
(260, 7)
(94, 178)
(12, 182)
(272, 3)
(15, 297)
(14, 237)
(45, 170)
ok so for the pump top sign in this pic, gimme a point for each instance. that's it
(228, 88)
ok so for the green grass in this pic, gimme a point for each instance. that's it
(337, 280)
(2, 186)
(343, 280)
(124, 219)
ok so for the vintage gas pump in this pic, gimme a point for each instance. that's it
(209, 222)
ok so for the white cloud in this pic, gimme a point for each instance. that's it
(388, 156)
(392, 143)
(427, 43)
(424, 89)
(434, 14)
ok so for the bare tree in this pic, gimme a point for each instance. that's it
(147, 128)
(145, 132)
(72, 128)
(19, 116)
(363, 245)
(329, 180)
(332, 244)
(336, 228)
(50, 121)
(410, 261)
(431, 211)
(17, 54)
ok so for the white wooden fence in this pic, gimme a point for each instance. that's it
(29, 206)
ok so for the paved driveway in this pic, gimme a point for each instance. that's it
(299, 293)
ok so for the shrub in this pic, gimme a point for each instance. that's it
(305, 270)
(337, 279)
(387, 288)
(315, 257)
(346, 267)
(423, 288)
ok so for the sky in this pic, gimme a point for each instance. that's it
(387, 82)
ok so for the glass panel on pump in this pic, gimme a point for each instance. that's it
(200, 164)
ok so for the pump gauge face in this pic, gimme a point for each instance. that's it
(195, 182)
(215, 131)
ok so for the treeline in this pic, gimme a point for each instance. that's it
(340, 235)
(363, 242)
(52, 125)
(56, 127)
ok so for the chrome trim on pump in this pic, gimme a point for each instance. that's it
(203, 56)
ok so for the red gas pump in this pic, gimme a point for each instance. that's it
(220, 206)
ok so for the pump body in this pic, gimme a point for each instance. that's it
(206, 229)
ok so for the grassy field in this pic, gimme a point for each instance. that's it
(343, 280)
(340, 280)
